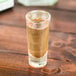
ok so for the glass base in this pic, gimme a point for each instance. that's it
(37, 62)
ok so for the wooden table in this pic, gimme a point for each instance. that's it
(62, 41)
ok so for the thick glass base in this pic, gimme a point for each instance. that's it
(37, 62)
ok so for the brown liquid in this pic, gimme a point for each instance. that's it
(37, 41)
(37, 38)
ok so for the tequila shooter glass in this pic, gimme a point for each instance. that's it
(37, 28)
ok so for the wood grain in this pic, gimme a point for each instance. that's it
(13, 38)
(62, 41)
(17, 65)
(61, 20)
(68, 5)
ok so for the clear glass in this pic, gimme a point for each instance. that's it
(37, 28)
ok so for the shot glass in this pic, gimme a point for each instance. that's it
(37, 28)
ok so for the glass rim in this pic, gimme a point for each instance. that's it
(43, 11)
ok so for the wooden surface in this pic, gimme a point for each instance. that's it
(62, 41)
